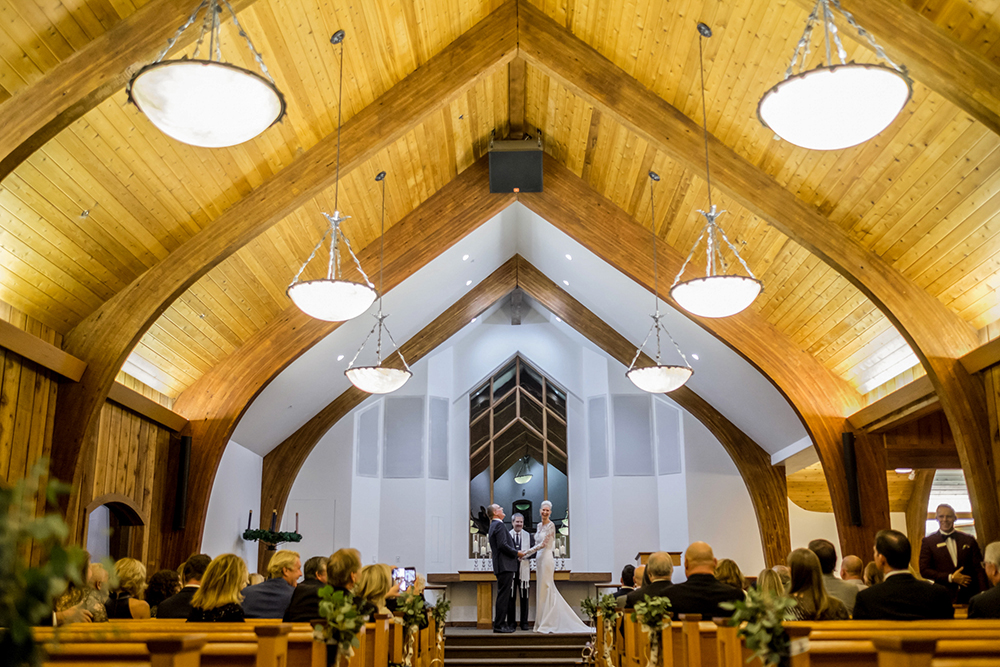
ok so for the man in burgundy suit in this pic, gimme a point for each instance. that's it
(952, 558)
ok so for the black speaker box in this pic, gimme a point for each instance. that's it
(515, 166)
(183, 469)
(851, 471)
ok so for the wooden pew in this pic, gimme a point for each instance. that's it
(179, 651)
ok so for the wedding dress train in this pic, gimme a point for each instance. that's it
(552, 613)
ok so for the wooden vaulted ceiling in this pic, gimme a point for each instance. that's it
(93, 197)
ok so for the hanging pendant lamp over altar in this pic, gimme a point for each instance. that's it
(333, 298)
(834, 106)
(660, 378)
(208, 103)
(379, 379)
(717, 294)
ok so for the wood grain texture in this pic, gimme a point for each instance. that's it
(216, 401)
(900, 399)
(982, 357)
(106, 337)
(937, 336)
(150, 409)
(45, 354)
(820, 399)
(916, 511)
(764, 482)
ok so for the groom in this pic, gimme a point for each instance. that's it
(504, 566)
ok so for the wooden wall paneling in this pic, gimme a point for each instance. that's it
(765, 483)
(216, 401)
(916, 511)
(8, 404)
(936, 335)
(821, 399)
(926, 442)
(108, 335)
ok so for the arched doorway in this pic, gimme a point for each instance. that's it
(115, 528)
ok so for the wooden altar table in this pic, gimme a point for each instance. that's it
(484, 587)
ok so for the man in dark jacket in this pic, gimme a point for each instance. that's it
(952, 558)
(702, 592)
(987, 603)
(901, 597)
(304, 606)
(270, 599)
(660, 569)
(504, 566)
(179, 605)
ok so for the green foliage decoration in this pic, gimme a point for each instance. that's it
(440, 611)
(605, 604)
(343, 621)
(764, 631)
(270, 536)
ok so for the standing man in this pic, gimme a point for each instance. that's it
(952, 558)
(504, 566)
(523, 541)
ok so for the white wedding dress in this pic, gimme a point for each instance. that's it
(552, 613)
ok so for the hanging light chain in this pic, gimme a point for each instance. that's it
(879, 51)
(340, 233)
(338, 38)
(804, 41)
(311, 255)
(243, 33)
(333, 266)
(653, 177)
(180, 31)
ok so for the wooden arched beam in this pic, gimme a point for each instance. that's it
(106, 337)
(130, 507)
(215, 403)
(821, 399)
(936, 335)
(765, 483)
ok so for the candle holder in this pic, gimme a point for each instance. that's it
(270, 538)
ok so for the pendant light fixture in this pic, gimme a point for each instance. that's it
(660, 378)
(332, 298)
(208, 103)
(717, 294)
(834, 106)
(523, 474)
(379, 379)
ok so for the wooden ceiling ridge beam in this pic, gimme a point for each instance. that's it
(820, 398)
(919, 392)
(216, 401)
(106, 337)
(765, 483)
(933, 57)
(937, 336)
(89, 76)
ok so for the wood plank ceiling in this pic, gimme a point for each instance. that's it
(110, 195)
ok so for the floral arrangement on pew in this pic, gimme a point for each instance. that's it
(651, 613)
(607, 607)
(343, 622)
(27, 592)
(411, 613)
(764, 631)
(439, 612)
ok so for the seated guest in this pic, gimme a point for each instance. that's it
(126, 601)
(728, 572)
(660, 569)
(702, 592)
(270, 599)
(372, 588)
(785, 575)
(900, 597)
(769, 585)
(217, 599)
(639, 578)
(873, 575)
(162, 585)
(852, 571)
(343, 569)
(256, 578)
(82, 602)
(827, 555)
(304, 606)
(179, 605)
(987, 603)
(814, 604)
(627, 581)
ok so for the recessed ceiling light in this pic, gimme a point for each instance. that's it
(695, 357)
(566, 283)
(340, 357)
(558, 320)
(570, 257)
(904, 471)
(468, 282)
(473, 320)
(465, 258)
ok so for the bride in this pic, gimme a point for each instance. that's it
(552, 612)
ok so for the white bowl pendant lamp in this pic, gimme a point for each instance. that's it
(208, 103)
(379, 379)
(332, 298)
(834, 106)
(716, 294)
(660, 378)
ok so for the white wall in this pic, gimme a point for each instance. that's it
(235, 492)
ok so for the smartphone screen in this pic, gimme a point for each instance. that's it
(405, 577)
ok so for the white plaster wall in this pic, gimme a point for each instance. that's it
(440, 514)
(235, 492)
(366, 496)
(806, 526)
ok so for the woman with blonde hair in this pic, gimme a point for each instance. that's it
(873, 575)
(218, 598)
(769, 584)
(373, 586)
(728, 572)
(126, 600)
(809, 592)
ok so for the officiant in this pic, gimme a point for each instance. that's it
(523, 540)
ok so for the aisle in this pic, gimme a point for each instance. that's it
(471, 647)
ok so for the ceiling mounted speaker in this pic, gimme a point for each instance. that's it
(516, 166)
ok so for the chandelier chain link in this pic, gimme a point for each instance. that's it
(357, 262)
(243, 33)
(180, 31)
(879, 51)
(302, 268)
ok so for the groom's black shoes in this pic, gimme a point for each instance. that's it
(526, 627)
(504, 629)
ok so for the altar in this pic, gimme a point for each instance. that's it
(484, 587)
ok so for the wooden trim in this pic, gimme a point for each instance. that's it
(936, 335)
(917, 391)
(119, 499)
(916, 509)
(107, 336)
(932, 56)
(982, 357)
(516, 80)
(146, 407)
(41, 352)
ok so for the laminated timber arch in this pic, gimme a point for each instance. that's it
(765, 483)
(815, 393)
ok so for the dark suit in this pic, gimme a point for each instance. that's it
(902, 597)
(655, 589)
(304, 606)
(986, 604)
(520, 592)
(936, 564)
(268, 599)
(177, 606)
(701, 594)
(504, 567)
